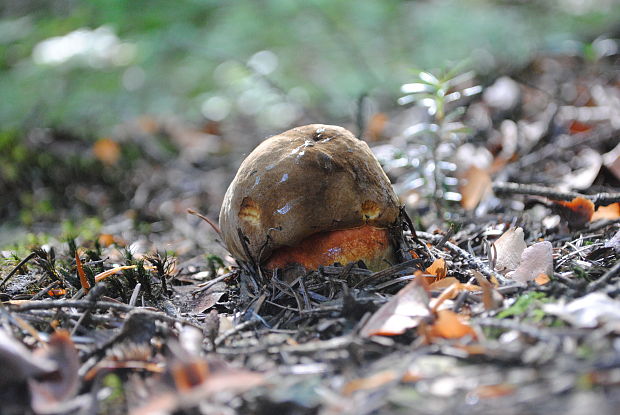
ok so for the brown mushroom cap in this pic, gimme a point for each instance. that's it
(307, 180)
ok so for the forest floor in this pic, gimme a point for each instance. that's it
(509, 302)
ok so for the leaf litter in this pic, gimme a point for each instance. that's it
(513, 310)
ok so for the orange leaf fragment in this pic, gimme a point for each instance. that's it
(576, 127)
(450, 325)
(107, 151)
(438, 268)
(475, 184)
(80, 270)
(607, 212)
(491, 298)
(55, 292)
(542, 279)
(459, 287)
(577, 212)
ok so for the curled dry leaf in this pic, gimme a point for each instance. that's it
(48, 392)
(476, 183)
(449, 281)
(450, 325)
(18, 363)
(535, 260)
(406, 309)
(491, 298)
(508, 249)
(438, 268)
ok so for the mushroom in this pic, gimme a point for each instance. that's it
(311, 196)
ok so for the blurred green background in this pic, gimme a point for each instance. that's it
(73, 72)
(86, 66)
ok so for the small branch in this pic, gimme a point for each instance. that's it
(534, 190)
(100, 305)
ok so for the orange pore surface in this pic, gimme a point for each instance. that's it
(368, 243)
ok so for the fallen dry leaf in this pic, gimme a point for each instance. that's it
(47, 392)
(438, 268)
(542, 279)
(18, 363)
(450, 325)
(491, 298)
(406, 309)
(535, 260)
(476, 183)
(508, 249)
(610, 212)
(447, 282)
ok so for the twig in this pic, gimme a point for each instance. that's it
(44, 291)
(100, 305)
(534, 190)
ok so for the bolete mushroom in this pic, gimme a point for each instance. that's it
(311, 196)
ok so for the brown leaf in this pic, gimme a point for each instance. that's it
(458, 286)
(542, 279)
(438, 268)
(450, 325)
(205, 299)
(475, 184)
(18, 363)
(491, 298)
(406, 309)
(49, 391)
